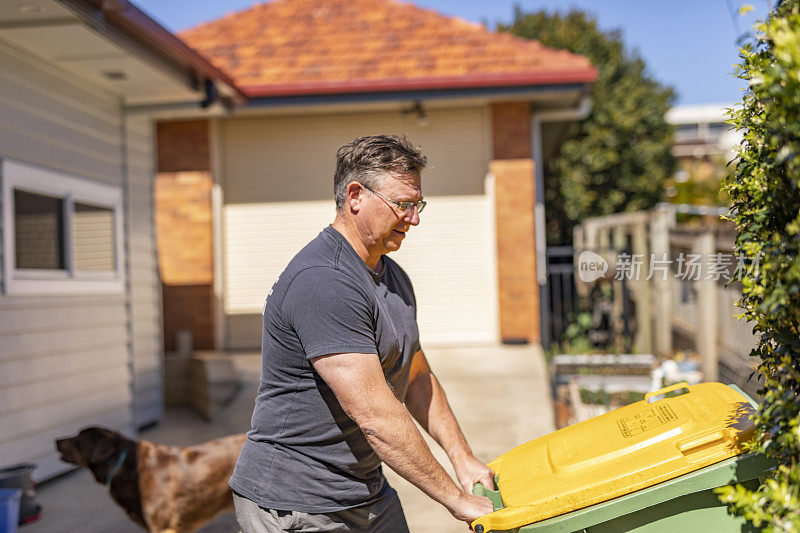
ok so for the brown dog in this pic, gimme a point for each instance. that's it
(162, 488)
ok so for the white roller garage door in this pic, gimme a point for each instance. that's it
(277, 179)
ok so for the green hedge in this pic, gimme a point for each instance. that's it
(765, 191)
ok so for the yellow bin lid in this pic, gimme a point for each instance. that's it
(619, 452)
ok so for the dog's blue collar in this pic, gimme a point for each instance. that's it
(117, 466)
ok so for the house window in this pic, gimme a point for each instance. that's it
(93, 238)
(38, 231)
(717, 129)
(61, 233)
(687, 132)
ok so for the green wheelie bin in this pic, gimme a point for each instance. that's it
(650, 466)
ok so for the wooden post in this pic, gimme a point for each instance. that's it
(619, 245)
(602, 237)
(662, 296)
(577, 239)
(603, 247)
(578, 246)
(590, 235)
(707, 309)
(643, 343)
(591, 241)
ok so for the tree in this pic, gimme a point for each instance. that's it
(618, 158)
(764, 188)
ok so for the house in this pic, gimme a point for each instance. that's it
(80, 302)
(702, 131)
(704, 144)
(239, 194)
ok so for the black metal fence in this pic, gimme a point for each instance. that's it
(560, 299)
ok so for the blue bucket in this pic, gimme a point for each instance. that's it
(9, 510)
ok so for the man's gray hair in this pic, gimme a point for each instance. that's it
(367, 159)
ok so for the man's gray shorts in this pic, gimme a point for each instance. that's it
(384, 516)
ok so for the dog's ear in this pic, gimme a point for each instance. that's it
(103, 449)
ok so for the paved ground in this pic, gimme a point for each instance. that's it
(500, 395)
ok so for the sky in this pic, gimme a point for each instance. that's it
(687, 44)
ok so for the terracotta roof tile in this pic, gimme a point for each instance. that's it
(321, 46)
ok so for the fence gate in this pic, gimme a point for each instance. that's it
(558, 296)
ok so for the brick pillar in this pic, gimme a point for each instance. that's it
(184, 231)
(512, 167)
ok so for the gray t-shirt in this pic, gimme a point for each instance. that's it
(303, 452)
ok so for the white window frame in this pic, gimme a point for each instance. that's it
(25, 177)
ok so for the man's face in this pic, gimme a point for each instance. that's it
(381, 221)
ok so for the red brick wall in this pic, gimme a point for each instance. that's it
(183, 146)
(513, 172)
(183, 218)
(184, 231)
(511, 130)
(189, 307)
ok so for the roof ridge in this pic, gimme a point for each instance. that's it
(231, 14)
(474, 26)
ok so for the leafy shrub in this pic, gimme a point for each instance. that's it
(576, 334)
(764, 188)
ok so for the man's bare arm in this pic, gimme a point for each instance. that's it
(427, 403)
(359, 384)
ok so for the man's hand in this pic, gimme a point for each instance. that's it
(470, 471)
(469, 507)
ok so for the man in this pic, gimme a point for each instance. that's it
(343, 374)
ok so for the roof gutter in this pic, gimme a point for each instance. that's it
(122, 22)
(524, 92)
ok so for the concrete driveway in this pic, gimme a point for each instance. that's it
(500, 395)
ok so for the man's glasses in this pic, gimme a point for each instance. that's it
(403, 206)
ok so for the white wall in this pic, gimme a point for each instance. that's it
(144, 282)
(66, 361)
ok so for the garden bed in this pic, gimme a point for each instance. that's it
(587, 385)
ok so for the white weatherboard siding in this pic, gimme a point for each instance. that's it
(65, 361)
(277, 175)
(145, 285)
